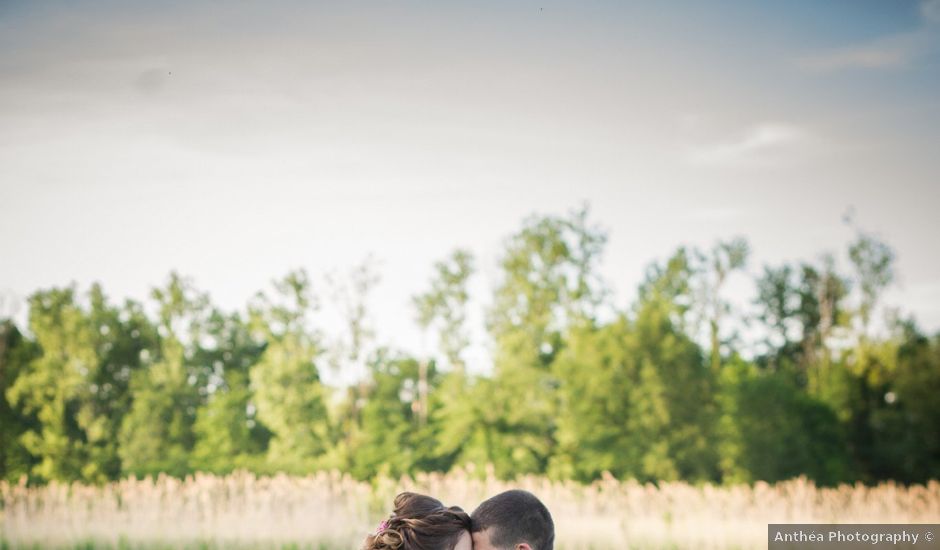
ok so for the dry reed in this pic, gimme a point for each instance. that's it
(335, 511)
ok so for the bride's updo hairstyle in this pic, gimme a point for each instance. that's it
(419, 522)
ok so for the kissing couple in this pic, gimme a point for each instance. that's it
(514, 520)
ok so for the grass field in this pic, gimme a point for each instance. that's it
(329, 511)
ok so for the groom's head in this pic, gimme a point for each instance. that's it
(514, 520)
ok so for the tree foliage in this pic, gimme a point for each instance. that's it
(579, 387)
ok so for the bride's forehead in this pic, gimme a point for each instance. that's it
(464, 542)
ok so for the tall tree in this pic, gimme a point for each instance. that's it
(669, 285)
(122, 335)
(873, 261)
(771, 430)
(666, 300)
(800, 307)
(777, 303)
(56, 385)
(549, 282)
(351, 296)
(906, 423)
(349, 354)
(860, 387)
(77, 386)
(617, 419)
(157, 433)
(393, 439)
(724, 258)
(636, 394)
(286, 380)
(228, 434)
(443, 307)
(16, 353)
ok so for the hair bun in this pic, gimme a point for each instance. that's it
(419, 521)
(387, 539)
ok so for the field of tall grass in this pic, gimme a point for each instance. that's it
(332, 511)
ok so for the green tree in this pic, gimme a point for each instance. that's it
(55, 386)
(906, 424)
(665, 319)
(443, 308)
(857, 389)
(348, 354)
(548, 283)
(77, 386)
(289, 396)
(614, 416)
(800, 307)
(228, 436)
(771, 430)
(822, 310)
(636, 394)
(710, 277)
(393, 439)
(688, 388)
(670, 286)
(873, 261)
(16, 353)
(123, 333)
(157, 433)
(778, 303)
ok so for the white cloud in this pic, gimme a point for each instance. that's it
(930, 10)
(758, 143)
(886, 52)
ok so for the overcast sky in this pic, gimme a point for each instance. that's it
(234, 141)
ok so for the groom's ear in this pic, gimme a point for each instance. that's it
(523, 546)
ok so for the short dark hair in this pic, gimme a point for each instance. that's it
(515, 517)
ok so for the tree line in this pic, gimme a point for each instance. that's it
(666, 388)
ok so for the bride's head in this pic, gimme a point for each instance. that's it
(422, 523)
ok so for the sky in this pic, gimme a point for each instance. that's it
(234, 141)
